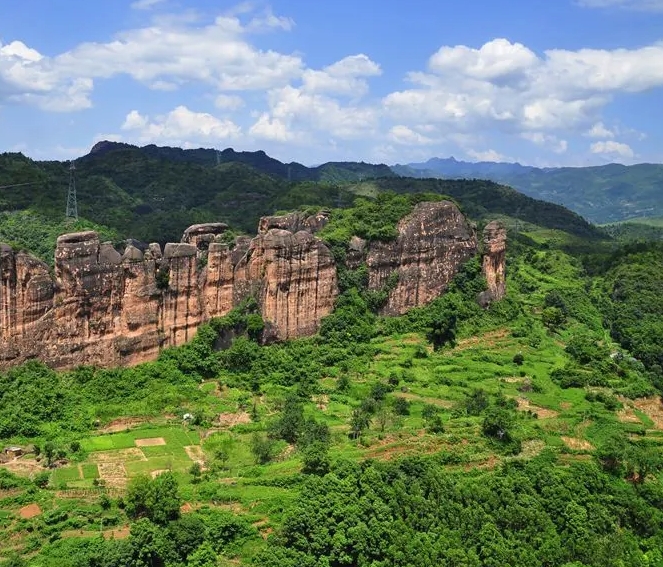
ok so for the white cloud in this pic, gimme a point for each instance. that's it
(612, 148)
(406, 136)
(639, 5)
(181, 127)
(228, 102)
(164, 55)
(497, 60)
(599, 130)
(267, 128)
(145, 4)
(487, 155)
(545, 140)
(302, 111)
(345, 77)
(506, 87)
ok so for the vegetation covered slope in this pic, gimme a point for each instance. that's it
(601, 194)
(154, 194)
(525, 434)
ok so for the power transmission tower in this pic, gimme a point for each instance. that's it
(72, 203)
(218, 157)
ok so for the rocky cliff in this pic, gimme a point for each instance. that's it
(105, 308)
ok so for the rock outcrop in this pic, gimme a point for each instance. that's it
(433, 242)
(494, 262)
(107, 308)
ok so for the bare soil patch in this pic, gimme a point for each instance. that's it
(577, 444)
(151, 442)
(321, 402)
(156, 473)
(116, 533)
(232, 419)
(118, 455)
(195, 453)
(29, 511)
(113, 474)
(627, 415)
(122, 424)
(488, 339)
(532, 448)
(525, 405)
(186, 508)
(225, 421)
(513, 379)
(23, 466)
(489, 463)
(653, 408)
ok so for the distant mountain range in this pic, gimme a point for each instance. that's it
(601, 194)
(330, 172)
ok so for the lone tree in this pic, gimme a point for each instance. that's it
(156, 499)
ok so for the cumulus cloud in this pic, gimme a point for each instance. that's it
(507, 87)
(164, 55)
(181, 127)
(639, 5)
(345, 77)
(302, 112)
(487, 155)
(612, 148)
(404, 135)
(599, 130)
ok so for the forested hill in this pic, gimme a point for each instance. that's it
(153, 194)
(259, 160)
(602, 194)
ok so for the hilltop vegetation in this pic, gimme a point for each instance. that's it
(153, 194)
(525, 434)
(602, 194)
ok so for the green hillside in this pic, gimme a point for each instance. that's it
(526, 434)
(601, 194)
(647, 229)
(154, 194)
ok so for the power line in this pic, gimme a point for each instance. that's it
(18, 185)
(72, 202)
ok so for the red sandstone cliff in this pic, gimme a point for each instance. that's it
(105, 308)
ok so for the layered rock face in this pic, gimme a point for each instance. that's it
(433, 243)
(104, 308)
(494, 259)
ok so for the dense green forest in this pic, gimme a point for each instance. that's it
(527, 433)
(153, 194)
(602, 194)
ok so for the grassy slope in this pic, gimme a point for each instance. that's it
(561, 419)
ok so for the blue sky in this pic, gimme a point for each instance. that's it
(543, 82)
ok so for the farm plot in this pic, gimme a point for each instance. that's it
(115, 458)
